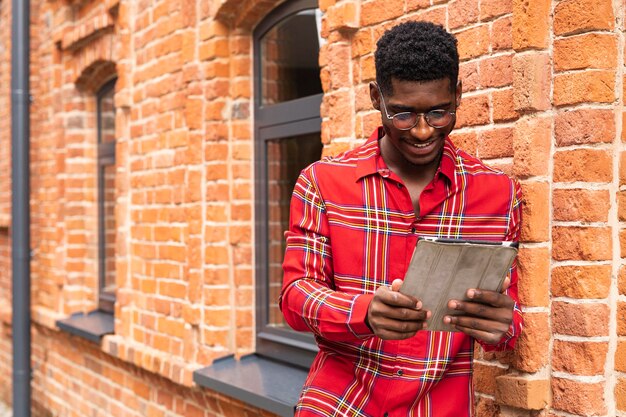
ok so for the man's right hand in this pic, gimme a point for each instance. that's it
(395, 316)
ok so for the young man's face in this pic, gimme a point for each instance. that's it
(422, 144)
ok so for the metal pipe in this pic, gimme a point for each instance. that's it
(20, 205)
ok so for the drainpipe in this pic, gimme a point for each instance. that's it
(20, 204)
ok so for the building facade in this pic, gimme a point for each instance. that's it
(165, 139)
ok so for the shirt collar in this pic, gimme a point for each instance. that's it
(371, 160)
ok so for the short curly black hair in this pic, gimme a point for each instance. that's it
(416, 51)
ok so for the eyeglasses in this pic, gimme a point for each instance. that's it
(406, 120)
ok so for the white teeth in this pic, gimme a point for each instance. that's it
(420, 145)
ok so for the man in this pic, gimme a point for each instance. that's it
(355, 220)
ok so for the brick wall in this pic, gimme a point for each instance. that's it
(543, 95)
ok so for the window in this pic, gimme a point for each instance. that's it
(106, 196)
(288, 94)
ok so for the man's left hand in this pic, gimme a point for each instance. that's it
(487, 315)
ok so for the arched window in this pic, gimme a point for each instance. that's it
(288, 94)
(106, 196)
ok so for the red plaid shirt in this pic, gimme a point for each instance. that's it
(352, 229)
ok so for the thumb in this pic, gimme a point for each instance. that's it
(396, 284)
(506, 284)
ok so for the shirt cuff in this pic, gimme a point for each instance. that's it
(359, 314)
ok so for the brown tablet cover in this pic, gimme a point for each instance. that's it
(444, 270)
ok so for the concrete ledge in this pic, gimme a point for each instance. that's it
(91, 326)
(264, 383)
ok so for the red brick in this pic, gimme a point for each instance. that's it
(535, 212)
(620, 394)
(587, 165)
(501, 34)
(591, 86)
(339, 65)
(585, 51)
(503, 105)
(377, 11)
(495, 143)
(584, 126)
(362, 43)
(462, 13)
(580, 398)
(339, 121)
(531, 24)
(572, 205)
(412, 5)
(531, 147)
(343, 17)
(485, 377)
(473, 111)
(534, 272)
(496, 72)
(473, 42)
(621, 283)
(531, 81)
(581, 243)
(586, 320)
(581, 281)
(622, 168)
(532, 348)
(468, 73)
(368, 69)
(576, 16)
(621, 321)
(487, 407)
(495, 8)
(579, 358)
(620, 356)
(522, 392)
(467, 141)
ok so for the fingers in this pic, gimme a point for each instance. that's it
(394, 298)
(396, 284)
(491, 337)
(395, 316)
(491, 298)
(486, 317)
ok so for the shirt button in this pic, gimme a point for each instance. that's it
(399, 372)
(399, 185)
(386, 415)
(412, 229)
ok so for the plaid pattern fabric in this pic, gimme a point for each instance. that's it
(353, 229)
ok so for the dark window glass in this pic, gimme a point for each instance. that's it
(287, 139)
(106, 196)
(289, 59)
(285, 159)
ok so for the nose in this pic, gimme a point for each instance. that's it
(422, 131)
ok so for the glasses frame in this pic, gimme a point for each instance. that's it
(419, 115)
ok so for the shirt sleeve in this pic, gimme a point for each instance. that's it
(515, 216)
(308, 299)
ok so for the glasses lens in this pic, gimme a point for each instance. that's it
(438, 118)
(405, 120)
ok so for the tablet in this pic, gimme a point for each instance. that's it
(444, 269)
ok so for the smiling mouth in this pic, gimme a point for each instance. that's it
(419, 145)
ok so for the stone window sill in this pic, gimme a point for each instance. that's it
(265, 383)
(91, 326)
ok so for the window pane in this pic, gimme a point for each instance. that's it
(108, 232)
(289, 59)
(107, 117)
(286, 157)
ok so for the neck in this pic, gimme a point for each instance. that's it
(407, 171)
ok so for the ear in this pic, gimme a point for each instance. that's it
(375, 95)
(459, 92)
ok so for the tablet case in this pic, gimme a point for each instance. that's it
(444, 269)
